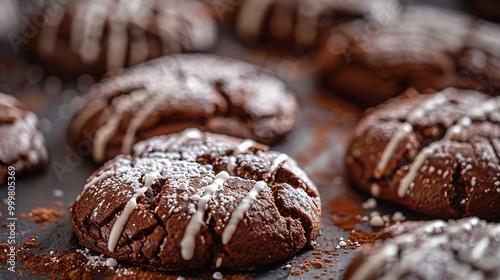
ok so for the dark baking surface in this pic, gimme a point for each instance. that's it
(318, 144)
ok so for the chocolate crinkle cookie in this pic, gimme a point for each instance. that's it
(194, 200)
(95, 36)
(423, 47)
(461, 249)
(437, 154)
(22, 145)
(297, 24)
(173, 93)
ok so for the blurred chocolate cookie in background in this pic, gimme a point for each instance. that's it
(296, 24)
(461, 249)
(22, 145)
(180, 91)
(94, 37)
(437, 154)
(425, 48)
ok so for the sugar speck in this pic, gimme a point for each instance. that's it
(217, 275)
(111, 262)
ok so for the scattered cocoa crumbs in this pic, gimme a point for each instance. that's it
(317, 264)
(57, 203)
(45, 215)
(1, 215)
(346, 213)
(23, 215)
(331, 252)
(363, 237)
(296, 272)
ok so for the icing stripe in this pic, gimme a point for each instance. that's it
(96, 179)
(277, 162)
(430, 235)
(122, 219)
(238, 214)
(188, 241)
(241, 148)
(420, 158)
(405, 128)
(186, 135)
(391, 147)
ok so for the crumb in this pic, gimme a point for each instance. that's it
(45, 215)
(317, 264)
(57, 203)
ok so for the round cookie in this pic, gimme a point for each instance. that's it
(195, 200)
(22, 146)
(180, 91)
(437, 154)
(372, 64)
(461, 249)
(94, 36)
(297, 23)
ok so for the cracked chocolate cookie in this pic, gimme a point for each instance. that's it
(370, 63)
(22, 145)
(196, 200)
(174, 93)
(461, 249)
(94, 36)
(298, 23)
(437, 154)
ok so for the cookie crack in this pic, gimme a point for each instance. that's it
(459, 199)
(289, 212)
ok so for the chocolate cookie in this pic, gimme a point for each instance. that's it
(173, 93)
(371, 64)
(22, 146)
(297, 23)
(94, 36)
(437, 154)
(193, 200)
(462, 249)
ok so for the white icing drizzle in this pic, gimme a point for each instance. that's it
(238, 214)
(135, 123)
(121, 220)
(479, 249)
(241, 148)
(218, 262)
(366, 270)
(431, 235)
(108, 130)
(277, 162)
(188, 242)
(405, 128)
(391, 147)
(86, 114)
(186, 135)
(420, 158)
(91, 17)
(101, 177)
